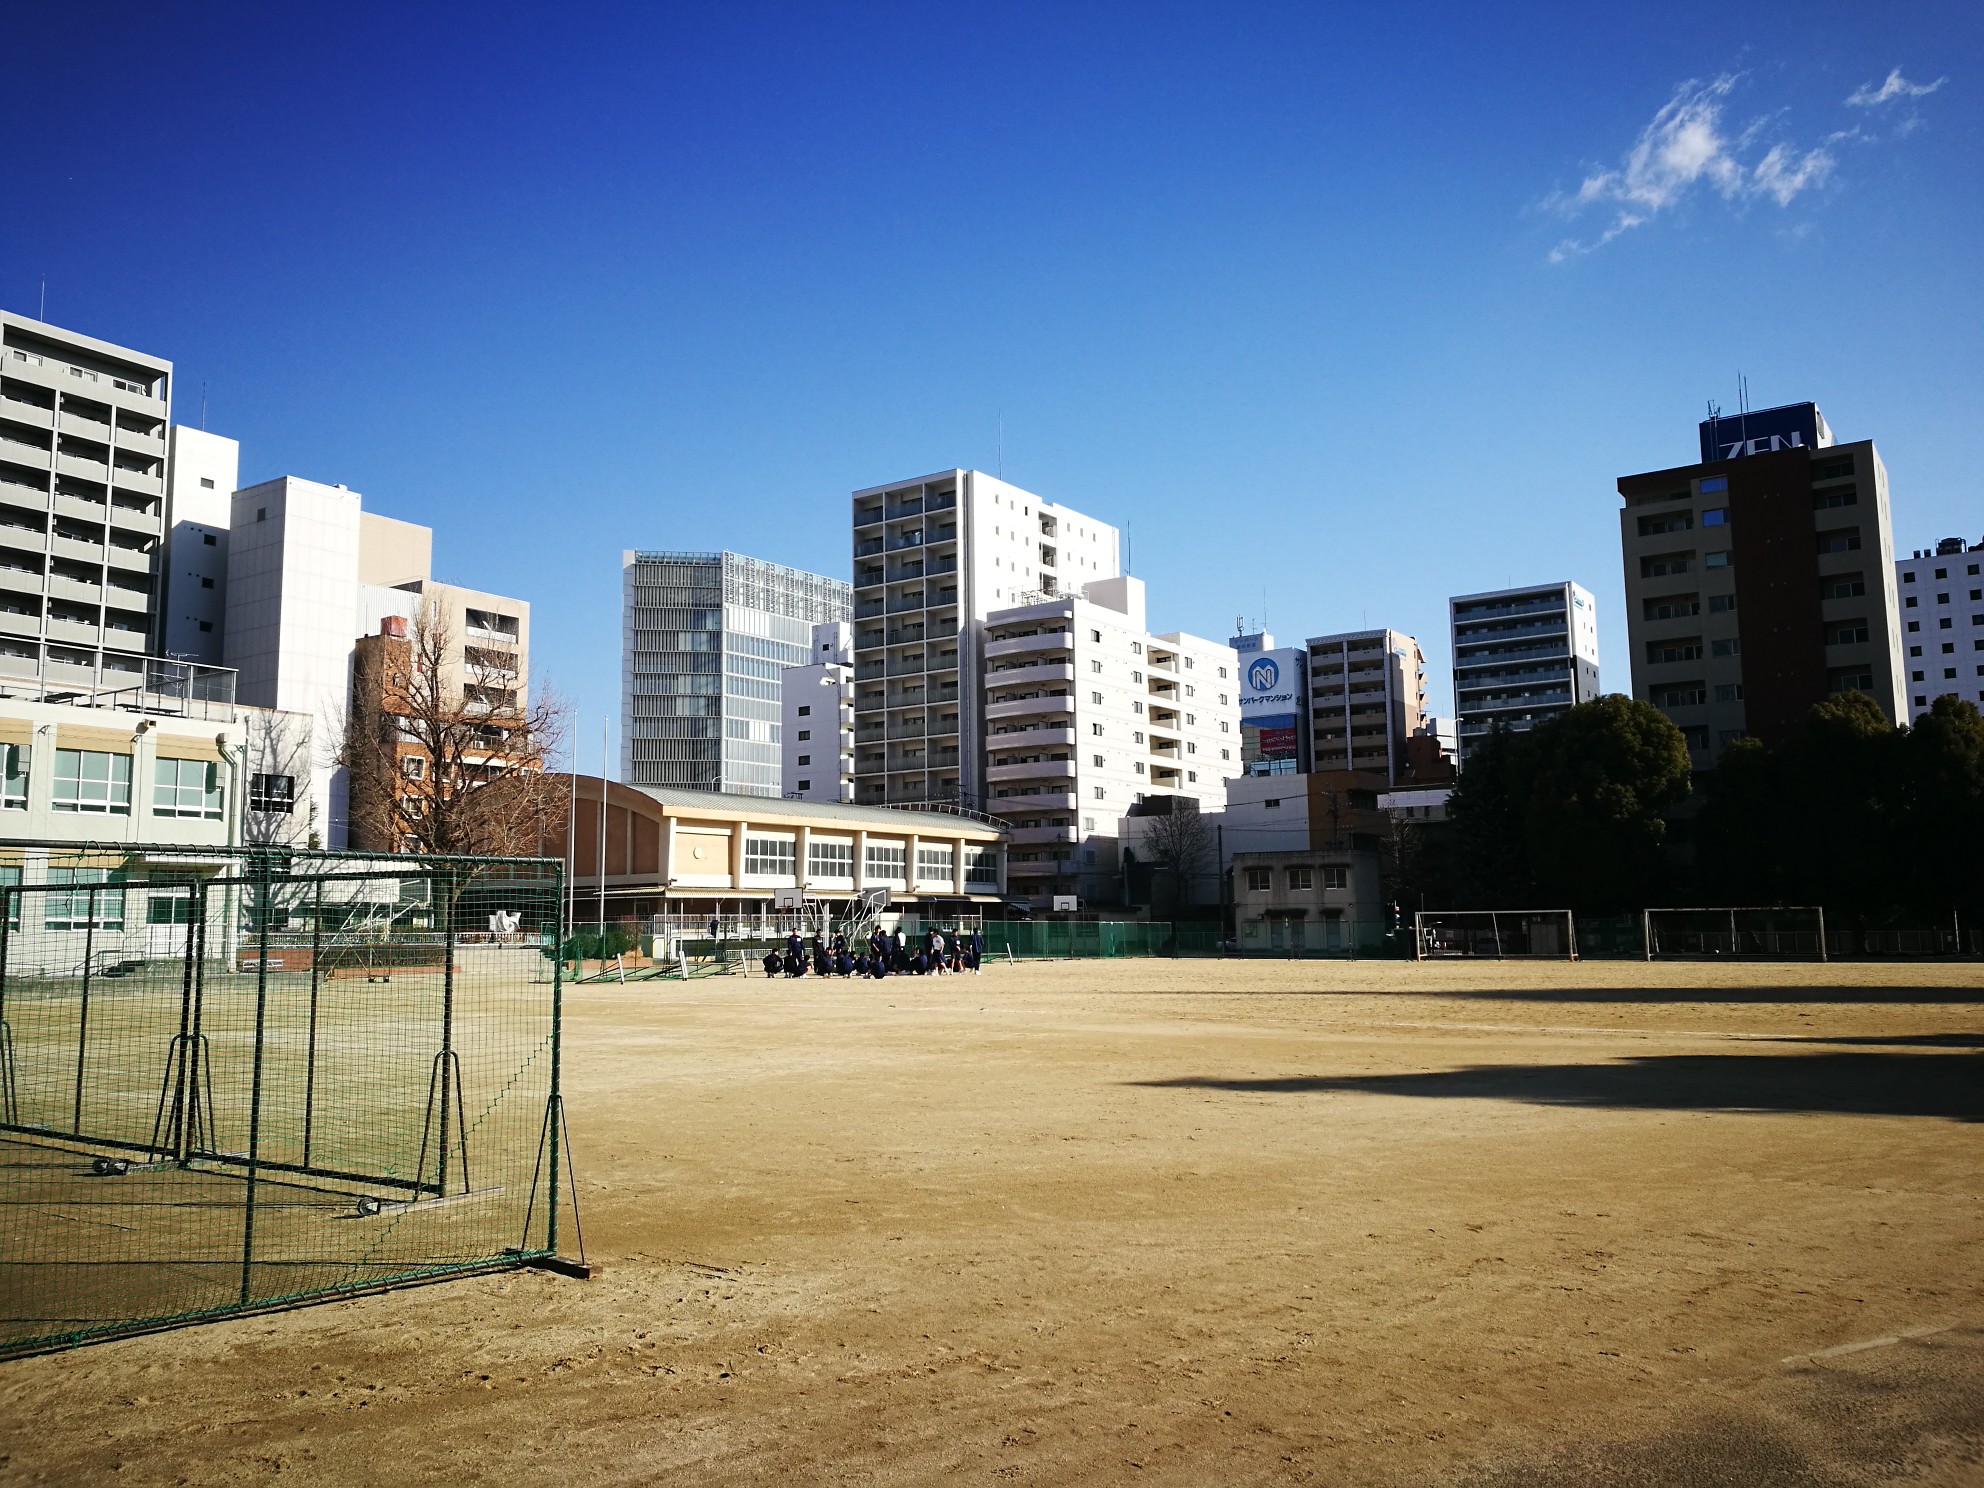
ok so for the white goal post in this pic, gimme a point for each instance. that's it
(1495, 934)
(1784, 932)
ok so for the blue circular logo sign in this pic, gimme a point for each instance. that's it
(1263, 674)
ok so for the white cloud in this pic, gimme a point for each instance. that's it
(1685, 146)
(1896, 86)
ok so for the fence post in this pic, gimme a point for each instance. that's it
(83, 1014)
(554, 1108)
(447, 1056)
(10, 898)
(310, 1044)
(255, 1085)
(1646, 934)
(1822, 930)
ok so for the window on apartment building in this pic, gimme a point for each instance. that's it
(805, 785)
(1841, 586)
(1095, 728)
(804, 735)
(1837, 496)
(1716, 516)
(1271, 802)
(1721, 604)
(414, 767)
(1731, 647)
(1948, 647)
(805, 759)
(1914, 625)
(1729, 692)
(1663, 564)
(1336, 878)
(1672, 607)
(1140, 767)
(1852, 679)
(1098, 760)
(1190, 690)
(1840, 540)
(1942, 573)
(206, 483)
(1686, 648)
(210, 540)
(1226, 754)
(1716, 560)
(206, 583)
(88, 780)
(1223, 728)
(1101, 794)
(1914, 650)
(1095, 635)
(1136, 648)
(1301, 878)
(1908, 603)
(273, 794)
(1846, 632)
(206, 627)
(1095, 697)
(1943, 624)
(1095, 666)
(261, 514)
(1260, 879)
(806, 711)
(1908, 578)
(1136, 676)
(1136, 707)
(1677, 695)
(1942, 599)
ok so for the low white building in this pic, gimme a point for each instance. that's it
(816, 719)
(1087, 712)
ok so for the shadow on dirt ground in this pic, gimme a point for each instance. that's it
(1949, 1086)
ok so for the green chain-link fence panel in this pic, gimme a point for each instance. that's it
(232, 1083)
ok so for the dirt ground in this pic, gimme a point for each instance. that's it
(1170, 1222)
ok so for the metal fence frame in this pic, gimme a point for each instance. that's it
(230, 931)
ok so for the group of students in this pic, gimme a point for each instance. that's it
(883, 953)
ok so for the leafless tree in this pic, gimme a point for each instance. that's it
(1179, 845)
(445, 753)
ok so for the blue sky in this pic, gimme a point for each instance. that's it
(1340, 309)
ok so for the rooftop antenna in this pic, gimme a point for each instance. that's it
(1743, 408)
(41, 307)
(1129, 549)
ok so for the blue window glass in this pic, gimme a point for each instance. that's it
(1715, 483)
(1715, 516)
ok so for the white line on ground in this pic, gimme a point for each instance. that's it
(1869, 1343)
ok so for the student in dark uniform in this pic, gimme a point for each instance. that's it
(795, 964)
(771, 963)
(974, 954)
(843, 963)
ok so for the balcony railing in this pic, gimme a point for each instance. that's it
(151, 684)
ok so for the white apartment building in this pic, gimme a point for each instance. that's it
(816, 719)
(933, 558)
(1521, 657)
(1087, 712)
(203, 473)
(83, 453)
(308, 573)
(1941, 596)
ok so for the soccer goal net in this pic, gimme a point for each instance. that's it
(1495, 934)
(1780, 933)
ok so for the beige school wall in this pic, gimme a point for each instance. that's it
(669, 846)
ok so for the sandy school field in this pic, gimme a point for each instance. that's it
(1170, 1222)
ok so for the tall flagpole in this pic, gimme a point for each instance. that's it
(603, 726)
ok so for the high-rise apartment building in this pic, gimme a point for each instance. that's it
(1521, 657)
(310, 572)
(1941, 591)
(1761, 580)
(933, 557)
(705, 640)
(83, 452)
(1367, 697)
(1086, 714)
(204, 470)
(1274, 705)
(816, 718)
